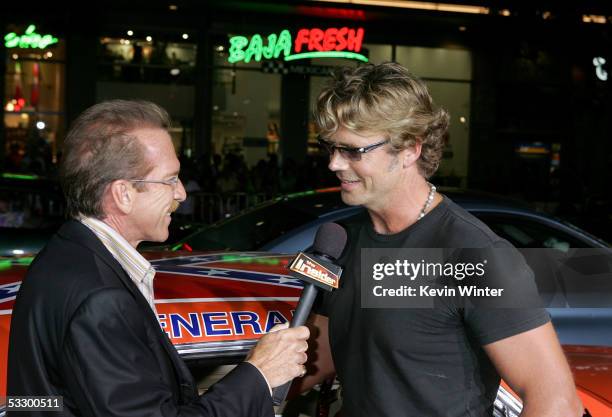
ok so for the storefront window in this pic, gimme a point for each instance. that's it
(377, 54)
(448, 75)
(440, 63)
(158, 67)
(246, 114)
(245, 107)
(33, 99)
(147, 61)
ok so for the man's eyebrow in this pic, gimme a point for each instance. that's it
(343, 144)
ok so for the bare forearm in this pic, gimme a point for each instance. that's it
(554, 406)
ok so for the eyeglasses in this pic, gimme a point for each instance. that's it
(349, 152)
(172, 182)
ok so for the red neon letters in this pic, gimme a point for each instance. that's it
(331, 39)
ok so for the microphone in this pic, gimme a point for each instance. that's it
(317, 269)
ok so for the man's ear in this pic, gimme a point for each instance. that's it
(411, 154)
(121, 195)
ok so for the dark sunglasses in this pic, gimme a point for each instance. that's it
(349, 152)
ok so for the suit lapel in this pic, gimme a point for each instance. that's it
(79, 233)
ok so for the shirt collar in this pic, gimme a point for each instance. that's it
(128, 257)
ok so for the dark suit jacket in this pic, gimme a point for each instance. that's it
(82, 329)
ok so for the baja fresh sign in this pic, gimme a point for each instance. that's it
(308, 43)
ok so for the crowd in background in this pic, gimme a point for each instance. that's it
(230, 174)
(222, 184)
(217, 174)
(216, 186)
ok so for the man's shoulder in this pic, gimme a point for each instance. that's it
(68, 266)
(463, 229)
(66, 255)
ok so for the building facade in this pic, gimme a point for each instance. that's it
(527, 87)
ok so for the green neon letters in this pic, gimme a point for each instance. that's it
(336, 43)
(256, 49)
(29, 39)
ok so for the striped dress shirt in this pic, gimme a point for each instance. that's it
(132, 262)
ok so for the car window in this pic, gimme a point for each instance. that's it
(568, 276)
(249, 231)
(256, 227)
(524, 232)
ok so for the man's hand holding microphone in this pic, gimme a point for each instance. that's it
(280, 355)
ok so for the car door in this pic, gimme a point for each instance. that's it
(573, 275)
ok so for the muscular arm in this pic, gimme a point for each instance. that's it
(533, 365)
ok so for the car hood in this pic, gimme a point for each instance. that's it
(221, 297)
(216, 304)
(208, 296)
(211, 305)
(592, 369)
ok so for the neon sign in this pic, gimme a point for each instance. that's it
(309, 43)
(601, 73)
(29, 39)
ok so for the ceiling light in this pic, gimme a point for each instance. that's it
(420, 5)
(593, 18)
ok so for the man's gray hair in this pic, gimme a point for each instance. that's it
(100, 148)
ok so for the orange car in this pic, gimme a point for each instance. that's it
(216, 305)
(592, 369)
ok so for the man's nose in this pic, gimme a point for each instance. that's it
(179, 192)
(337, 162)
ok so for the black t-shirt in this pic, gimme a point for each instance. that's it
(418, 362)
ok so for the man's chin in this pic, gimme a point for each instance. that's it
(349, 198)
(161, 238)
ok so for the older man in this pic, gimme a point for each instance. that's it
(84, 325)
(385, 138)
